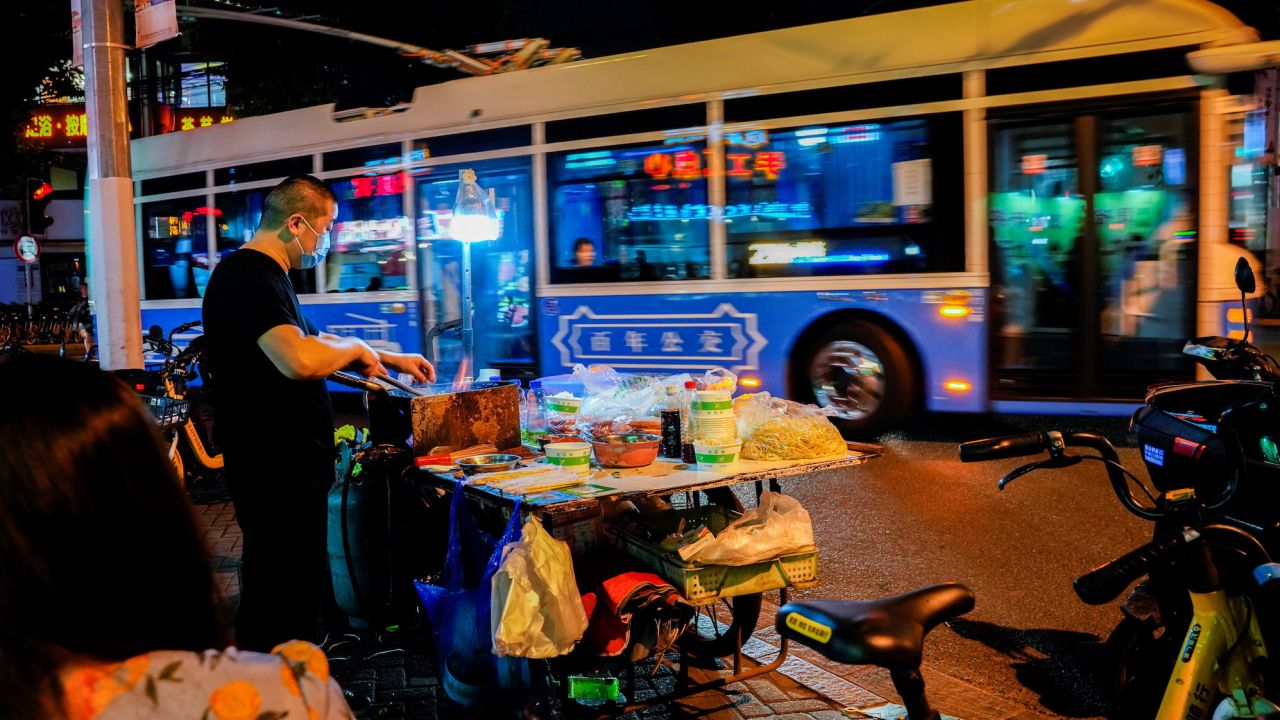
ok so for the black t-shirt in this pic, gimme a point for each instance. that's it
(257, 410)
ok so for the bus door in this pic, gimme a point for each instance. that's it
(1092, 225)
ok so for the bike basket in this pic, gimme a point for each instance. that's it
(704, 584)
(167, 411)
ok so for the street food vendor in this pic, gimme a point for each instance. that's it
(266, 365)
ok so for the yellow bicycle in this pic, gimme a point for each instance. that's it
(1220, 668)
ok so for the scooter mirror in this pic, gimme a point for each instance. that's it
(1244, 276)
(155, 333)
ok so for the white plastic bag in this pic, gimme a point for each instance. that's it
(779, 525)
(536, 610)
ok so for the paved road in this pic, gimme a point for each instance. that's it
(917, 515)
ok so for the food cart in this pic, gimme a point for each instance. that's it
(576, 516)
(590, 515)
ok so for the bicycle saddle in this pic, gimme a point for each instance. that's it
(888, 632)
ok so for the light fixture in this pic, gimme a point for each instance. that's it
(474, 220)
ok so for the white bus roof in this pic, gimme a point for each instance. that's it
(977, 34)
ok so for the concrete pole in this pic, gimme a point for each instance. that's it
(113, 249)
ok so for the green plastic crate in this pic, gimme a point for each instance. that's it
(704, 584)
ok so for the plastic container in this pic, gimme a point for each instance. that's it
(563, 405)
(705, 584)
(717, 457)
(572, 456)
(712, 403)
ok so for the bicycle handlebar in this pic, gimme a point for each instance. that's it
(1104, 583)
(1032, 443)
(999, 448)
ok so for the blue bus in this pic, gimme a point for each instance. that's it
(960, 208)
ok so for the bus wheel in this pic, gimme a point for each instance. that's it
(861, 371)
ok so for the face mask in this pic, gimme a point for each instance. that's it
(308, 260)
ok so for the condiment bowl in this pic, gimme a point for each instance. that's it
(626, 450)
(487, 463)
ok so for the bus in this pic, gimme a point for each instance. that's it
(1023, 206)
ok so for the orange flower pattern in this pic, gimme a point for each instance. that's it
(237, 700)
(216, 685)
(312, 657)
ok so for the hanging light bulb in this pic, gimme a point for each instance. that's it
(474, 219)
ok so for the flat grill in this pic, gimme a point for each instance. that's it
(447, 415)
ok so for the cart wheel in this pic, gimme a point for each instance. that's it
(706, 638)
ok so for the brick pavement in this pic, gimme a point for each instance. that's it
(403, 683)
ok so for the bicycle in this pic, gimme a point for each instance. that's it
(1218, 670)
(176, 404)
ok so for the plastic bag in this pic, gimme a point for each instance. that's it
(613, 401)
(536, 610)
(775, 429)
(457, 604)
(779, 525)
(719, 379)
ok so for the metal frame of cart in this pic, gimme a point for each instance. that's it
(564, 512)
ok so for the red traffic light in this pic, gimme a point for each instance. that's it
(44, 189)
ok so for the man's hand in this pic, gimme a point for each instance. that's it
(411, 363)
(368, 363)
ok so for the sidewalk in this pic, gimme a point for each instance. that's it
(404, 684)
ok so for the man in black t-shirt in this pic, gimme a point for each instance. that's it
(267, 364)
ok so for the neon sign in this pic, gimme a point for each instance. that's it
(69, 125)
(761, 210)
(363, 187)
(687, 165)
(201, 118)
(813, 252)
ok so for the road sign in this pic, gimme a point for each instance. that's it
(26, 249)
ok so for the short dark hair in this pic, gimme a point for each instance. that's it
(582, 241)
(102, 557)
(303, 194)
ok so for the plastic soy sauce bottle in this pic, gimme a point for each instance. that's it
(686, 423)
(670, 414)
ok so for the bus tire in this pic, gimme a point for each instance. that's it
(861, 370)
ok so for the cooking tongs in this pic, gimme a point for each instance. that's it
(373, 384)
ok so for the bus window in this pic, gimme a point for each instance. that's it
(642, 208)
(175, 248)
(501, 270)
(843, 199)
(370, 243)
(237, 215)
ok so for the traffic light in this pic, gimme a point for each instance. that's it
(40, 194)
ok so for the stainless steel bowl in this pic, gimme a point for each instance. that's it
(626, 450)
(487, 463)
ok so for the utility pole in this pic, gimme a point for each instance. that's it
(113, 249)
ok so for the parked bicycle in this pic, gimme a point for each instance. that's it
(178, 406)
(1226, 577)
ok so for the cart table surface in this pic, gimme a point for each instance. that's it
(663, 477)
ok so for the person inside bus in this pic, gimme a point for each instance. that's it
(585, 268)
(108, 604)
(268, 364)
(646, 269)
(584, 252)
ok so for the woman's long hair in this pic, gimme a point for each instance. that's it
(100, 554)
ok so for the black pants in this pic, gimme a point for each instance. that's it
(280, 496)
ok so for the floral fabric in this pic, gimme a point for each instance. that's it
(293, 681)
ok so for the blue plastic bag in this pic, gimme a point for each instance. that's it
(458, 606)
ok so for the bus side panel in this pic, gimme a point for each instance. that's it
(755, 334)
